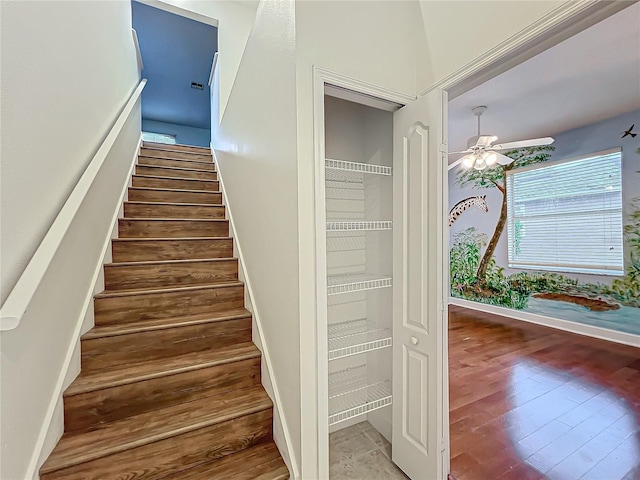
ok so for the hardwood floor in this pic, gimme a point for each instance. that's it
(529, 402)
(170, 386)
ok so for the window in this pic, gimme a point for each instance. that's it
(566, 216)
(159, 138)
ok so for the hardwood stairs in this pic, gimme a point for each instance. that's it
(170, 382)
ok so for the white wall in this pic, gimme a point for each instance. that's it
(461, 31)
(184, 135)
(256, 151)
(234, 20)
(371, 41)
(62, 89)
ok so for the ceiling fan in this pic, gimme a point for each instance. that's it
(482, 152)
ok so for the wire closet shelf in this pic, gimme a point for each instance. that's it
(352, 393)
(338, 284)
(344, 171)
(355, 337)
(359, 226)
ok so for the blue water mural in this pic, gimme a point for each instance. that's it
(625, 319)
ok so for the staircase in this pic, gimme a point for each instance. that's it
(170, 382)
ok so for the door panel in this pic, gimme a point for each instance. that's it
(419, 262)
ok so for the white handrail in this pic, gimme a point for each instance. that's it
(138, 52)
(214, 64)
(20, 297)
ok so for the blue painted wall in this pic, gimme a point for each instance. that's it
(176, 51)
(184, 135)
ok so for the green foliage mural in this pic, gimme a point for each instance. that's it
(496, 176)
(627, 289)
(475, 276)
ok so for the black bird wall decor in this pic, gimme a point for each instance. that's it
(629, 132)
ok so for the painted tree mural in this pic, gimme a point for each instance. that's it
(496, 177)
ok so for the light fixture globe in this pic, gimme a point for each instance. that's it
(469, 160)
(490, 158)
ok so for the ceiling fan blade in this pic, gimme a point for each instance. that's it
(502, 159)
(534, 142)
(465, 151)
(453, 165)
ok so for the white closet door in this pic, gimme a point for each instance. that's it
(419, 320)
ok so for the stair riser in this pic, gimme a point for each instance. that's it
(168, 172)
(152, 152)
(133, 308)
(134, 210)
(131, 228)
(165, 196)
(106, 352)
(87, 411)
(175, 183)
(174, 454)
(127, 277)
(166, 162)
(178, 148)
(148, 250)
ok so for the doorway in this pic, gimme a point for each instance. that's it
(514, 385)
(566, 23)
(177, 53)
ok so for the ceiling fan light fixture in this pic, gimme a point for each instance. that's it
(490, 158)
(481, 164)
(469, 160)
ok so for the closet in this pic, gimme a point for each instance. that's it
(380, 223)
(359, 263)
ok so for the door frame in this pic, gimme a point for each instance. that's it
(321, 77)
(563, 22)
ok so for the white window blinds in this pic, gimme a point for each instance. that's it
(567, 216)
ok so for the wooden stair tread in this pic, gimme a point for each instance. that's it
(89, 381)
(145, 158)
(142, 175)
(166, 239)
(159, 204)
(149, 427)
(170, 155)
(177, 169)
(169, 262)
(174, 147)
(174, 190)
(146, 291)
(101, 331)
(160, 219)
(259, 462)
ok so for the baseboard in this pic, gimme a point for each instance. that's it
(53, 425)
(567, 326)
(281, 434)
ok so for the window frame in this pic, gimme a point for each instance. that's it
(168, 135)
(617, 271)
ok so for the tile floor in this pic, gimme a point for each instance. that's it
(359, 452)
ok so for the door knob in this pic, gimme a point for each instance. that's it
(414, 340)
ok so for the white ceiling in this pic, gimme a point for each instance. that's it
(589, 77)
